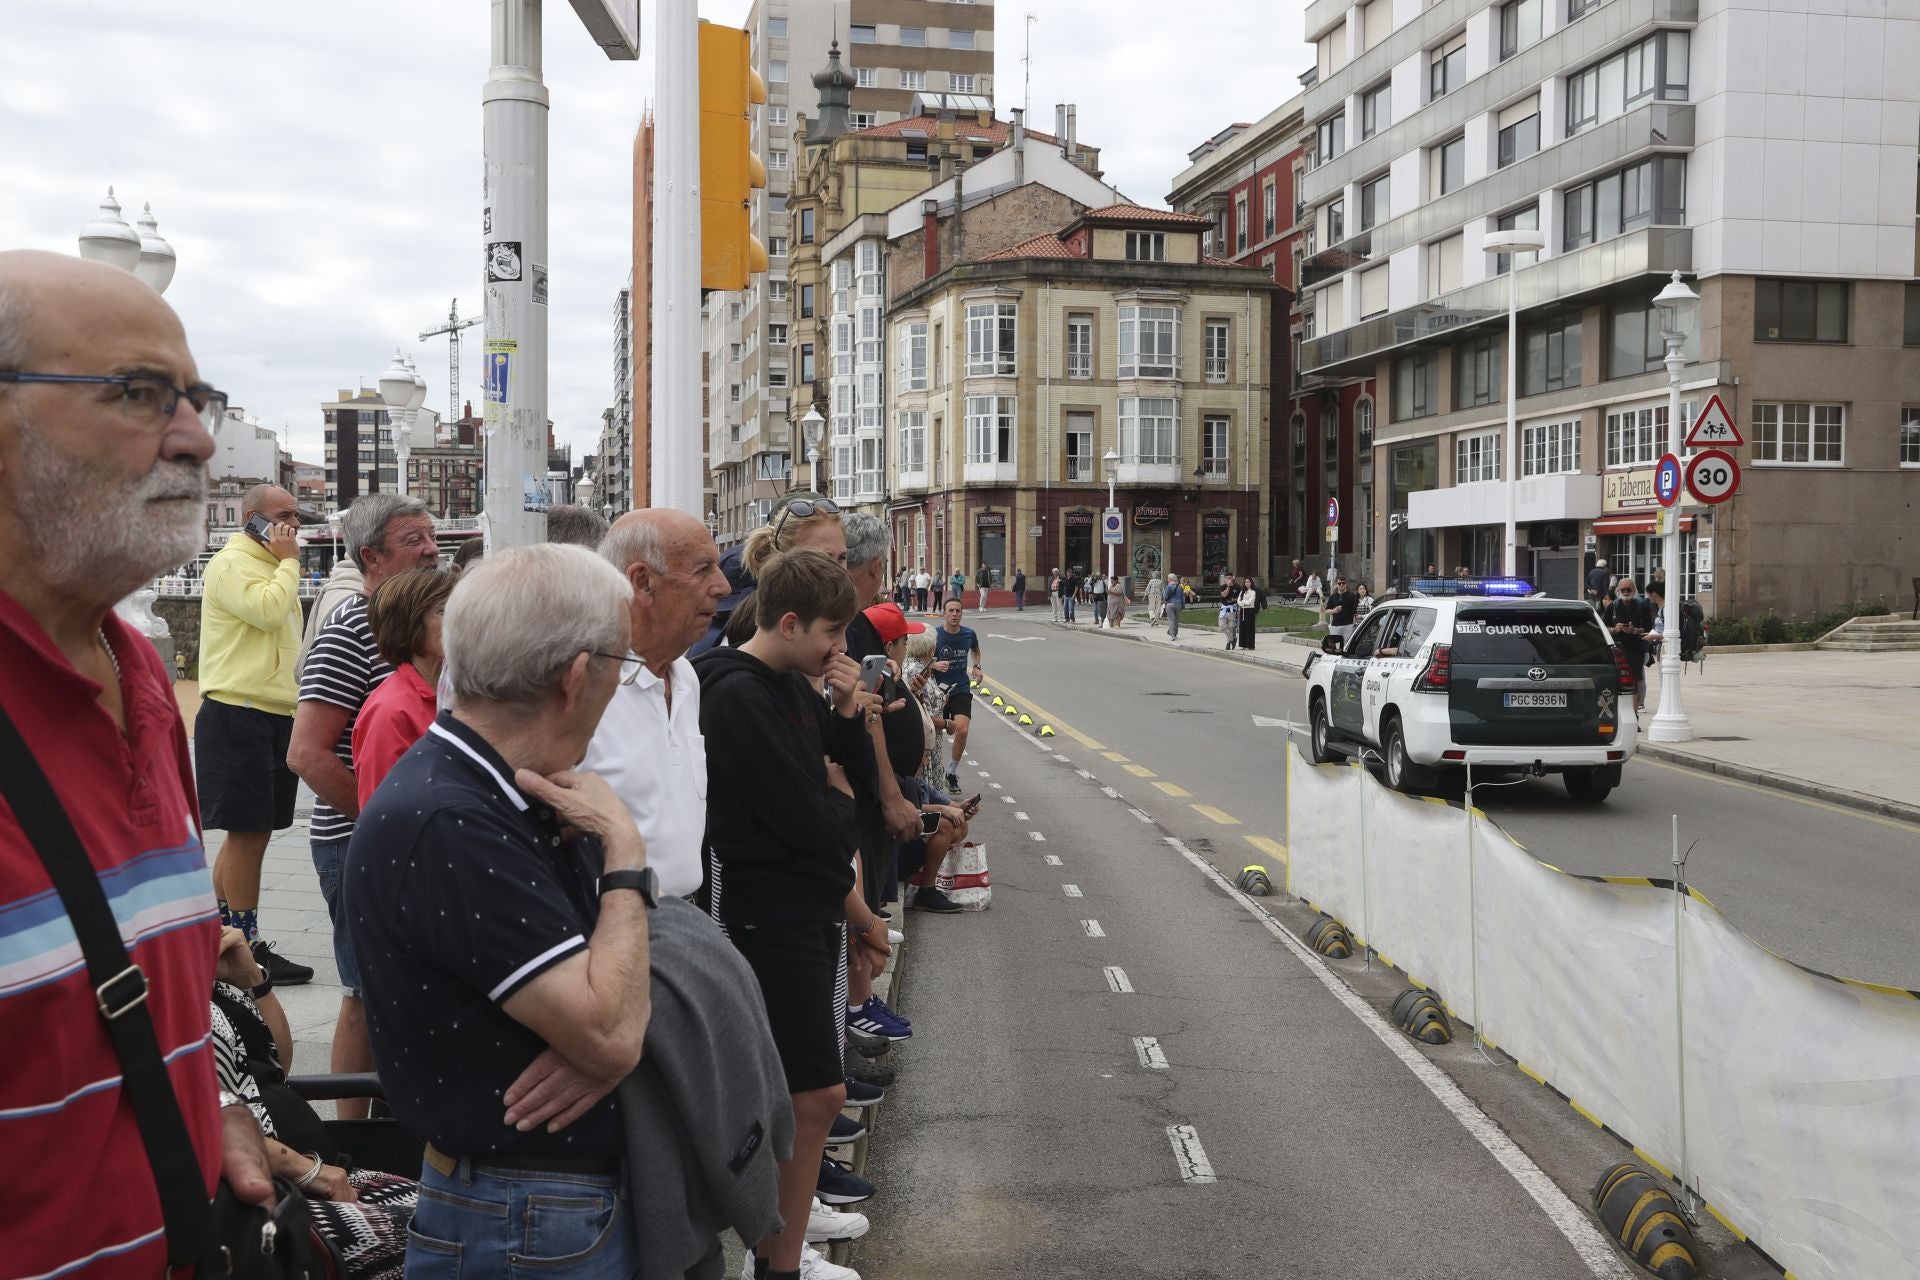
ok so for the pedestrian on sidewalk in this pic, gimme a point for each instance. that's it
(249, 628)
(1229, 611)
(1249, 603)
(404, 615)
(102, 485)
(1053, 594)
(1019, 589)
(1364, 606)
(1156, 597)
(1174, 598)
(1598, 580)
(957, 586)
(939, 589)
(984, 581)
(1342, 609)
(1117, 601)
(1630, 618)
(922, 585)
(1071, 586)
(1099, 599)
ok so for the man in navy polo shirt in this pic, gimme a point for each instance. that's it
(486, 939)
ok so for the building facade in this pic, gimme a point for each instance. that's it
(1020, 369)
(1768, 154)
(445, 473)
(358, 447)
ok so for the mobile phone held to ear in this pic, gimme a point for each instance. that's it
(872, 667)
(259, 528)
(929, 823)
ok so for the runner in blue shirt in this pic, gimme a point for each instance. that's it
(952, 644)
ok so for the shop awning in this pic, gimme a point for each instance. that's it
(1636, 523)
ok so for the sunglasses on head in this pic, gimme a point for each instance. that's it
(801, 508)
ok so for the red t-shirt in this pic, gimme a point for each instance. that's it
(396, 716)
(78, 1194)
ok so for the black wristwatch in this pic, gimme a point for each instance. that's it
(644, 882)
(266, 985)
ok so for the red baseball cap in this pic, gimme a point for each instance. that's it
(891, 623)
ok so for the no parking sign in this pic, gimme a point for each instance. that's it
(1113, 529)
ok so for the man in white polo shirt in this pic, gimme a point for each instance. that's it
(648, 746)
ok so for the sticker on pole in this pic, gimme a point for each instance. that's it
(1713, 476)
(1113, 529)
(1666, 480)
(1714, 427)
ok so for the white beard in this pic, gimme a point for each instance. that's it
(92, 532)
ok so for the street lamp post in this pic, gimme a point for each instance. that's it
(1513, 243)
(1112, 462)
(1670, 724)
(810, 428)
(109, 239)
(405, 391)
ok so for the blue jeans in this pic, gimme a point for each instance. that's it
(329, 857)
(490, 1223)
(1066, 607)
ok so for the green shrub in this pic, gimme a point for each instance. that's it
(1771, 628)
(1729, 631)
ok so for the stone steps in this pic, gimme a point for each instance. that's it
(1873, 635)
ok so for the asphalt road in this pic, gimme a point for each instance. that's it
(1265, 1131)
(1827, 887)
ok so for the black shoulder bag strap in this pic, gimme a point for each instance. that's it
(120, 995)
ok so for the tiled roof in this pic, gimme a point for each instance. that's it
(1045, 246)
(1139, 213)
(965, 129)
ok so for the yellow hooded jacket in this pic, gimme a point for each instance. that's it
(250, 628)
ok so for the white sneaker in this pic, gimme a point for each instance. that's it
(895, 937)
(814, 1266)
(827, 1225)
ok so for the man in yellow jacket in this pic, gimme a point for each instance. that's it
(249, 687)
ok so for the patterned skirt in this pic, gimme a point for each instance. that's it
(369, 1235)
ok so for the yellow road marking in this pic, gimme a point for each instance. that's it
(1173, 789)
(1041, 713)
(1114, 756)
(1140, 771)
(1220, 816)
(1271, 847)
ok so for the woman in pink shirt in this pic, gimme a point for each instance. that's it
(404, 615)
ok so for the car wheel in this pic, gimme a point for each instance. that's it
(1393, 745)
(1321, 731)
(1582, 788)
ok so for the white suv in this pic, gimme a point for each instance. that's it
(1427, 685)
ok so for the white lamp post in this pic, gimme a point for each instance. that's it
(109, 239)
(157, 259)
(1512, 242)
(810, 426)
(404, 391)
(1670, 723)
(1111, 460)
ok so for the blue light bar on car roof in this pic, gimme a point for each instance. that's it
(1508, 587)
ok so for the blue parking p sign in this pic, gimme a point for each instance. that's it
(1666, 480)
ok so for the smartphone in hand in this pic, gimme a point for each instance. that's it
(929, 823)
(872, 668)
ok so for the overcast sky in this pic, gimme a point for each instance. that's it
(318, 167)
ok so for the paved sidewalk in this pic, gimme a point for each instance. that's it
(1838, 727)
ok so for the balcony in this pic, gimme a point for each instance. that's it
(1148, 472)
(1354, 251)
(1356, 350)
(1557, 497)
(991, 472)
(910, 481)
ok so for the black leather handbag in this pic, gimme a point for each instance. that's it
(228, 1239)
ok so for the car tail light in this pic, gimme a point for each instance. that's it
(1438, 676)
(1623, 668)
(1616, 755)
(1453, 755)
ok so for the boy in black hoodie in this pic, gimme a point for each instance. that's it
(782, 837)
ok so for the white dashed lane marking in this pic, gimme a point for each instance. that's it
(1072, 890)
(1141, 814)
(1151, 1056)
(1117, 980)
(1052, 861)
(1189, 1154)
(1019, 816)
(1093, 928)
(1035, 835)
(1110, 793)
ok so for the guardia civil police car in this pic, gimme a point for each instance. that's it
(1428, 684)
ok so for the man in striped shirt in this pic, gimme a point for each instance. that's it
(385, 534)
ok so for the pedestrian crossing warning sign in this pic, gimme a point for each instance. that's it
(1714, 427)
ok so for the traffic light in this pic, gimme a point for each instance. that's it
(729, 170)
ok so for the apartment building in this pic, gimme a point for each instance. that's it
(1020, 367)
(614, 486)
(1766, 153)
(357, 447)
(893, 49)
(445, 473)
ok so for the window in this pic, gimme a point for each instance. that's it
(1376, 109)
(1416, 385)
(862, 34)
(1217, 345)
(1363, 424)
(1336, 222)
(1147, 246)
(1550, 448)
(1635, 344)
(776, 376)
(1653, 67)
(1519, 131)
(959, 83)
(777, 28)
(807, 371)
(990, 339)
(1550, 354)
(1800, 434)
(1373, 202)
(913, 80)
(1239, 220)
(806, 301)
(1476, 372)
(1581, 8)
(776, 335)
(1910, 332)
(1148, 429)
(866, 77)
(1800, 310)
(913, 356)
(1213, 447)
(1079, 453)
(1373, 291)
(990, 429)
(1079, 346)
(776, 72)
(939, 356)
(1269, 209)
(806, 226)
(1297, 426)
(1447, 67)
(1527, 219)
(1476, 457)
(959, 39)
(1652, 191)
(733, 394)
(1637, 437)
(913, 441)
(1444, 264)
(777, 115)
(1149, 342)
(1519, 26)
(857, 120)
(1910, 436)
(916, 151)
(1330, 138)
(1446, 167)
(776, 292)
(913, 37)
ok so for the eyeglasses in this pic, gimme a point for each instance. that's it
(145, 398)
(628, 674)
(801, 508)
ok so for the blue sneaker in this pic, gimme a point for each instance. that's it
(876, 1002)
(845, 1129)
(840, 1185)
(862, 1093)
(876, 1022)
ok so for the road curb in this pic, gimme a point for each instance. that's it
(1877, 805)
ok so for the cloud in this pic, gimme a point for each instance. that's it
(318, 168)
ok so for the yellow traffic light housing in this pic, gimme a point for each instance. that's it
(729, 169)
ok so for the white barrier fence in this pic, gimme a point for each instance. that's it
(1791, 1099)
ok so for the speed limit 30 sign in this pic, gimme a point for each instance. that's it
(1713, 475)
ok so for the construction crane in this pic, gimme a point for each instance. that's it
(452, 329)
